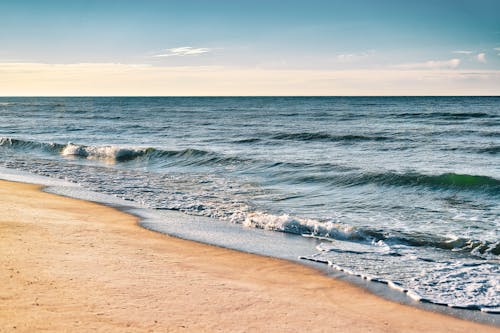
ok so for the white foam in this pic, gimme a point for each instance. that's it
(309, 227)
(495, 310)
(396, 286)
(340, 246)
(5, 141)
(413, 295)
(101, 152)
(488, 253)
(469, 283)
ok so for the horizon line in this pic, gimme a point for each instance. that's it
(230, 96)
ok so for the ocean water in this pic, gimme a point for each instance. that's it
(403, 191)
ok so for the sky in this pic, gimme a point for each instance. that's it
(219, 48)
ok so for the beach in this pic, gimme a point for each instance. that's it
(246, 166)
(397, 191)
(71, 265)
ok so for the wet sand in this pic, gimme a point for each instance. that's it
(71, 265)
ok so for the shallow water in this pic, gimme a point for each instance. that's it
(399, 190)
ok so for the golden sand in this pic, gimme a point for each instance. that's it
(68, 265)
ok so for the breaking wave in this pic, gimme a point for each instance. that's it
(339, 231)
(104, 152)
(197, 157)
(188, 156)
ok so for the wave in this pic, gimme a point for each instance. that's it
(478, 248)
(339, 231)
(461, 115)
(443, 115)
(103, 152)
(184, 157)
(70, 149)
(490, 134)
(321, 136)
(27, 145)
(33, 104)
(188, 156)
(197, 157)
(249, 140)
(301, 226)
(445, 180)
(493, 150)
(123, 154)
(442, 182)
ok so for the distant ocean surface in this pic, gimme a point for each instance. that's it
(400, 190)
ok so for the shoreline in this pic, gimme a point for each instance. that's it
(77, 265)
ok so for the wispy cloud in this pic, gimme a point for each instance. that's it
(183, 51)
(352, 57)
(432, 64)
(481, 57)
(497, 49)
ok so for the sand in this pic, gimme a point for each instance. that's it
(68, 265)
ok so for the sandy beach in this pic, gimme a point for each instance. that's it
(70, 265)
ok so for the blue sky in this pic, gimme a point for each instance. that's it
(257, 35)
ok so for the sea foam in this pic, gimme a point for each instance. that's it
(102, 152)
(295, 225)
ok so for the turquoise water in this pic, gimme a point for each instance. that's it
(401, 190)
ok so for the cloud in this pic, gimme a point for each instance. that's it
(432, 64)
(351, 57)
(183, 51)
(481, 57)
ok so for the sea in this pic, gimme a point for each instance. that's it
(397, 191)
